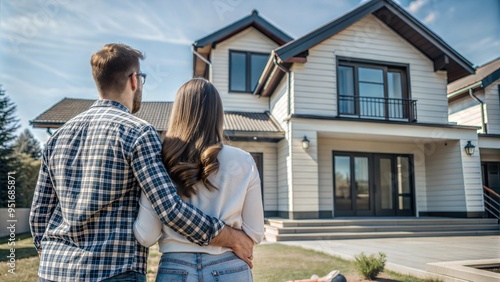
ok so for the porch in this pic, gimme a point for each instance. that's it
(279, 229)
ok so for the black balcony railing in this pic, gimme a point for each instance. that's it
(378, 108)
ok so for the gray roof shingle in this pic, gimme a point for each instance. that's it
(156, 113)
(481, 73)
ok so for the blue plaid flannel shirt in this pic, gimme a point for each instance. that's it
(86, 198)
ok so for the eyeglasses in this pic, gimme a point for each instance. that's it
(141, 74)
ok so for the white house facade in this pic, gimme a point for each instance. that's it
(475, 100)
(350, 119)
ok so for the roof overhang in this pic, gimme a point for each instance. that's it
(396, 18)
(205, 45)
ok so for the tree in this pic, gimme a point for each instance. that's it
(27, 144)
(26, 178)
(8, 126)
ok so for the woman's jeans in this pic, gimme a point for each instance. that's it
(197, 267)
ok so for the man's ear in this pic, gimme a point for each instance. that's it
(133, 82)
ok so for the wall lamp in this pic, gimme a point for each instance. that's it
(469, 148)
(305, 143)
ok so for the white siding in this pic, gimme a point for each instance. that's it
(270, 169)
(445, 178)
(314, 82)
(469, 116)
(284, 181)
(473, 181)
(248, 40)
(493, 107)
(279, 105)
(325, 160)
(304, 171)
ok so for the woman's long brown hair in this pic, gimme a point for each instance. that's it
(194, 137)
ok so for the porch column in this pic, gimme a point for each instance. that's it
(304, 194)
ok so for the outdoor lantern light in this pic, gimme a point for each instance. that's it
(469, 148)
(305, 143)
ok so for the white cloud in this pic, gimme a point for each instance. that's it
(415, 6)
(430, 18)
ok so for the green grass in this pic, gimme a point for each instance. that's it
(272, 262)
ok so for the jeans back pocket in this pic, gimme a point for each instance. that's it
(171, 275)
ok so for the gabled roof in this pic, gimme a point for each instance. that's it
(486, 74)
(236, 124)
(399, 20)
(253, 20)
(204, 45)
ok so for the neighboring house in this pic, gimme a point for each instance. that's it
(475, 100)
(350, 119)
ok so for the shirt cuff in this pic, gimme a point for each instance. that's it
(219, 225)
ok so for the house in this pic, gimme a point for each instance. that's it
(475, 100)
(350, 119)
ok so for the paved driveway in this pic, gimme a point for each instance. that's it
(410, 255)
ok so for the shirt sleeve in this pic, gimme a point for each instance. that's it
(147, 226)
(253, 212)
(153, 178)
(44, 203)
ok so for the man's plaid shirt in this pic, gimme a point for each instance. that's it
(86, 198)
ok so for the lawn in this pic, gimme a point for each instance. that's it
(273, 262)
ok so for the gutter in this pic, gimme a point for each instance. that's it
(203, 59)
(288, 85)
(483, 123)
(462, 90)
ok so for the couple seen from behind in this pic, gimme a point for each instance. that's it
(109, 188)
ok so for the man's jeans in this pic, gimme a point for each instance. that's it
(129, 276)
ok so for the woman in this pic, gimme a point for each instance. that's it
(220, 180)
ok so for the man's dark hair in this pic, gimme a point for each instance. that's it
(112, 66)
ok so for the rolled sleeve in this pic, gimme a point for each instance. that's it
(253, 212)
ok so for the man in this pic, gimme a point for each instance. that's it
(94, 168)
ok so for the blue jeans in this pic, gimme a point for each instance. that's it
(196, 267)
(129, 276)
(339, 278)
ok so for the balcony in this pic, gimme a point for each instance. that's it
(378, 108)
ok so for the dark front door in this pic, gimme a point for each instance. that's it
(393, 185)
(368, 184)
(491, 175)
(353, 189)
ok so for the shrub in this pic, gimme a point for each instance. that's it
(370, 266)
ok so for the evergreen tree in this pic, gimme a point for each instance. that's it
(26, 178)
(27, 144)
(8, 126)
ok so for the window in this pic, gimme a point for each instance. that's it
(374, 90)
(245, 69)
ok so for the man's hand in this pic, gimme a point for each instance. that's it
(238, 241)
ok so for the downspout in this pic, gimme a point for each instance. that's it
(485, 130)
(288, 85)
(49, 132)
(204, 60)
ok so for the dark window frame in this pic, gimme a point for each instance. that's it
(248, 71)
(386, 67)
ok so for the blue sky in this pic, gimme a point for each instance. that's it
(46, 44)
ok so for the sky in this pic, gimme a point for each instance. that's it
(46, 45)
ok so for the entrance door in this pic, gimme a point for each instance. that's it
(373, 184)
(491, 175)
(353, 189)
(393, 185)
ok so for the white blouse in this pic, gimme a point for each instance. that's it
(237, 202)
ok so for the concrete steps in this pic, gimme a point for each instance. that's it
(330, 229)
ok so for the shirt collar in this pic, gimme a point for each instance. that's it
(110, 103)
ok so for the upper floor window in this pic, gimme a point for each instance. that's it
(245, 69)
(374, 90)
